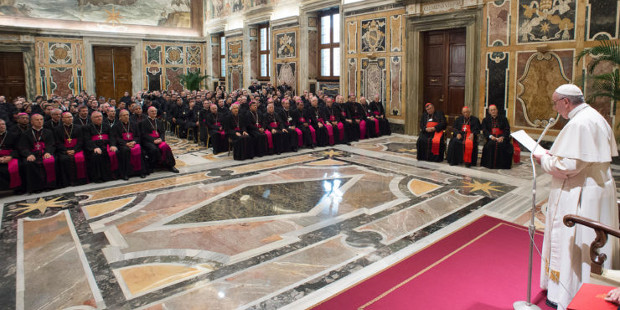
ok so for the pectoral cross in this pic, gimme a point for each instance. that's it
(100, 137)
(69, 140)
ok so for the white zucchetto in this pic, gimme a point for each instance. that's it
(569, 90)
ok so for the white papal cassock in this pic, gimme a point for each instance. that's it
(582, 184)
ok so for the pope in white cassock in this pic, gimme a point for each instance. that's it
(582, 184)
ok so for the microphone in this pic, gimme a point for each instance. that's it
(550, 123)
(528, 305)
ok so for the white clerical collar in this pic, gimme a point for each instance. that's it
(576, 110)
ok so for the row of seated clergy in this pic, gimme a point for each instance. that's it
(41, 159)
(497, 152)
(255, 134)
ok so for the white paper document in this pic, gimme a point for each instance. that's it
(528, 142)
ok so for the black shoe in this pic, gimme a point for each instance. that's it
(467, 165)
(125, 178)
(143, 175)
(174, 170)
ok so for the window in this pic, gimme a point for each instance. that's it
(263, 51)
(329, 47)
(222, 56)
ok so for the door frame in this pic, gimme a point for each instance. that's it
(27, 50)
(468, 19)
(136, 61)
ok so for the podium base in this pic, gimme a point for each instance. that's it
(523, 305)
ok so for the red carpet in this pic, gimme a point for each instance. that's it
(481, 266)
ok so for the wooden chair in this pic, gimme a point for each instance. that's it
(598, 274)
(193, 131)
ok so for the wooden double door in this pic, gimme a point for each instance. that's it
(112, 71)
(12, 75)
(444, 71)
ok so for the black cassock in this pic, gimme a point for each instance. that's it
(214, 123)
(72, 168)
(243, 145)
(39, 174)
(313, 116)
(369, 128)
(426, 150)
(10, 177)
(303, 127)
(158, 154)
(288, 123)
(496, 155)
(254, 126)
(459, 150)
(352, 128)
(278, 140)
(376, 109)
(101, 167)
(130, 160)
(332, 116)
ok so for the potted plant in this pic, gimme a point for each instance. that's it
(192, 80)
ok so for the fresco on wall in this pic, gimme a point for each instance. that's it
(285, 45)
(373, 78)
(60, 66)
(497, 79)
(165, 61)
(330, 88)
(602, 20)
(286, 73)
(373, 35)
(395, 85)
(546, 20)
(224, 8)
(169, 13)
(498, 18)
(539, 75)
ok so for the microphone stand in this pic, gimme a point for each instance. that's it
(527, 305)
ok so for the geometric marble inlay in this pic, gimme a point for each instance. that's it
(284, 231)
(261, 200)
(141, 279)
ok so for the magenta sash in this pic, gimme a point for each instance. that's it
(377, 126)
(222, 132)
(128, 136)
(80, 161)
(163, 146)
(330, 133)
(301, 119)
(71, 144)
(48, 164)
(99, 137)
(13, 166)
(362, 129)
(80, 164)
(136, 157)
(341, 130)
(273, 125)
(269, 138)
(313, 134)
(377, 113)
(39, 147)
(50, 169)
(332, 118)
(113, 159)
(300, 137)
(165, 150)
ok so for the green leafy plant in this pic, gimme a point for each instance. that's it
(192, 80)
(606, 84)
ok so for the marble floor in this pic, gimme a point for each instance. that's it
(282, 231)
